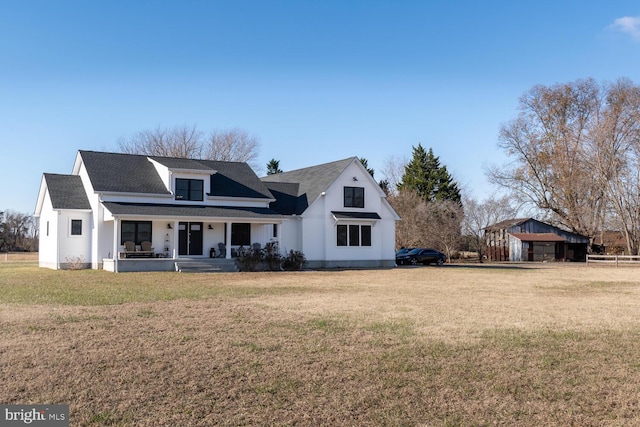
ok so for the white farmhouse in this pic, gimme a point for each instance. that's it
(124, 212)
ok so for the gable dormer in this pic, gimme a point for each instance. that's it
(187, 179)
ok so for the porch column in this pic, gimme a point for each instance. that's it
(227, 242)
(116, 232)
(176, 237)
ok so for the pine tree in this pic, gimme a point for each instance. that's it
(365, 163)
(424, 175)
(273, 167)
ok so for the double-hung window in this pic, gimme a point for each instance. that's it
(189, 189)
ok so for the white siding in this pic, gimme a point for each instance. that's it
(319, 231)
(48, 251)
(290, 235)
(74, 249)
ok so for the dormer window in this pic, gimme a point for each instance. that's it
(189, 189)
(354, 197)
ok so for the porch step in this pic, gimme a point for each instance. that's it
(211, 265)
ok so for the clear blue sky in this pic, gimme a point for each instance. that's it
(315, 81)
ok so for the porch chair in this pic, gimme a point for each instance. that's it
(257, 248)
(129, 248)
(146, 249)
(222, 249)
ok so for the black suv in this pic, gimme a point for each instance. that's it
(421, 256)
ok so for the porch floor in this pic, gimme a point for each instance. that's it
(190, 264)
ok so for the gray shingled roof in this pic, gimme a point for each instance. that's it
(236, 179)
(288, 202)
(133, 173)
(168, 210)
(66, 191)
(312, 181)
(122, 173)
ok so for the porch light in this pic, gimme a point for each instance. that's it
(169, 226)
(210, 227)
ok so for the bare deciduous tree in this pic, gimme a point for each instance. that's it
(548, 144)
(426, 224)
(443, 222)
(410, 231)
(615, 157)
(180, 141)
(478, 215)
(232, 145)
(393, 171)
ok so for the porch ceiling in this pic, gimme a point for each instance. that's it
(190, 211)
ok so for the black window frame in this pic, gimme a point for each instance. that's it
(76, 227)
(354, 235)
(365, 235)
(342, 234)
(354, 197)
(136, 236)
(241, 234)
(186, 189)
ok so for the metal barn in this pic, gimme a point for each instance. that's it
(527, 239)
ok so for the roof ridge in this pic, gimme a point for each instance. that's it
(266, 178)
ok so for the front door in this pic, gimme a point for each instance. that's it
(190, 238)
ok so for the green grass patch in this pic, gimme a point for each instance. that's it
(29, 284)
(402, 328)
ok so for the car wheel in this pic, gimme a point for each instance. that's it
(414, 261)
(440, 261)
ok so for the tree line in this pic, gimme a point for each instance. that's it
(18, 232)
(574, 161)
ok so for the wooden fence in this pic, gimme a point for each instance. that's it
(18, 256)
(614, 259)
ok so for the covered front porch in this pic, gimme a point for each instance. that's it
(178, 233)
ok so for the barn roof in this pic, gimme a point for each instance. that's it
(538, 237)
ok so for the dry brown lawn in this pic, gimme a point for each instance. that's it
(458, 345)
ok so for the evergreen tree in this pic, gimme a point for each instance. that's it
(273, 167)
(365, 163)
(424, 175)
(386, 187)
